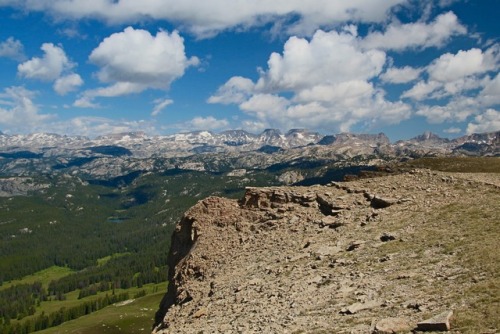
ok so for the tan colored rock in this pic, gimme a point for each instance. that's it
(392, 326)
(358, 307)
(382, 202)
(200, 313)
(440, 322)
(355, 245)
(332, 222)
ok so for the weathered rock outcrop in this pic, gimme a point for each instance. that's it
(343, 258)
(19, 186)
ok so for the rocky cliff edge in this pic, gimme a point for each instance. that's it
(371, 256)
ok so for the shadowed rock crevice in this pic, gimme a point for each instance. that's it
(211, 220)
(182, 243)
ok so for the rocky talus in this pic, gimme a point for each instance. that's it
(370, 256)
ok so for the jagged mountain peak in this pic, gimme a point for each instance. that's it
(44, 135)
(302, 133)
(236, 133)
(293, 132)
(487, 137)
(236, 137)
(272, 137)
(271, 132)
(379, 138)
(302, 137)
(327, 140)
(427, 136)
(346, 138)
(198, 136)
(478, 143)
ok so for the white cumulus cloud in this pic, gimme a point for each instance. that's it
(136, 56)
(456, 110)
(490, 94)
(95, 126)
(349, 92)
(133, 60)
(235, 90)
(12, 48)
(206, 18)
(456, 74)
(416, 35)
(329, 57)
(49, 67)
(85, 102)
(324, 82)
(206, 123)
(160, 104)
(489, 121)
(267, 108)
(421, 90)
(18, 111)
(401, 75)
(450, 67)
(67, 83)
(55, 66)
(452, 130)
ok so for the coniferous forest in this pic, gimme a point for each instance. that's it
(106, 237)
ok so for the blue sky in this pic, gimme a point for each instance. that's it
(402, 67)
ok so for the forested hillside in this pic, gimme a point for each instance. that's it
(103, 241)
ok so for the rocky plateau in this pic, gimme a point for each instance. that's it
(406, 253)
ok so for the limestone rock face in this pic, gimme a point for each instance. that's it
(321, 259)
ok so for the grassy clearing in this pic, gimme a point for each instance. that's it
(479, 253)
(134, 317)
(45, 276)
(466, 234)
(49, 307)
(458, 164)
(102, 261)
(72, 298)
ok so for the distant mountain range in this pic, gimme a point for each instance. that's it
(139, 144)
(119, 154)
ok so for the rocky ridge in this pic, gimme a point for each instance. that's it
(139, 145)
(120, 154)
(369, 256)
(15, 186)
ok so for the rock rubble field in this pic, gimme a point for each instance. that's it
(394, 254)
